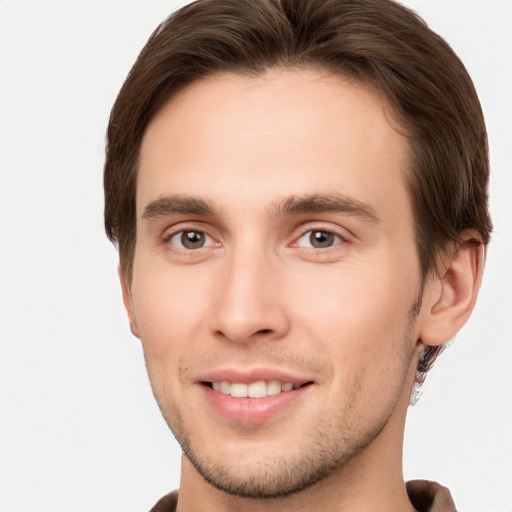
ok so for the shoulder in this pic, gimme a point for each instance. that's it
(167, 503)
(427, 496)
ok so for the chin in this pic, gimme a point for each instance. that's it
(255, 475)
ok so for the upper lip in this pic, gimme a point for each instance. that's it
(246, 376)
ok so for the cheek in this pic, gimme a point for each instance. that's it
(359, 301)
(170, 310)
(359, 318)
(363, 334)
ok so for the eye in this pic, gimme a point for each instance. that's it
(318, 239)
(190, 240)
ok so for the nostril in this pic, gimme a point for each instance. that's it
(263, 331)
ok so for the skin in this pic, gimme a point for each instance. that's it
(242, 161)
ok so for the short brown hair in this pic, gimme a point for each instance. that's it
(379, 42)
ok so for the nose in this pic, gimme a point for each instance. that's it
(249, 304)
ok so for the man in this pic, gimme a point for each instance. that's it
(298, 189)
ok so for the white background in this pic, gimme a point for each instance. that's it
(79, 430)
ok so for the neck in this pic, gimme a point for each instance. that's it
(371, 481)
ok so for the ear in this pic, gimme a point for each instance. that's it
(451, 295)
(128, 301)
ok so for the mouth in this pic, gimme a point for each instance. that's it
(254, 396)
(257, 389)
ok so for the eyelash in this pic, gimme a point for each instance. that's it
(336, 238)
(333, 239)
(182, 232)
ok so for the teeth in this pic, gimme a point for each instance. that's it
(225, 387)
(239, 390)
(258, 389)
(273, 387)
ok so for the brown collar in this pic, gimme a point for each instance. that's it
(425, 496)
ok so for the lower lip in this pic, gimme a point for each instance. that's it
(252, 410)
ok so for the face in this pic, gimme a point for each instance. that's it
(275, 274)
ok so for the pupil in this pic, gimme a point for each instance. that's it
(321, 239)
(192, 239)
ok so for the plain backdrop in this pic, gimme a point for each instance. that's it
(79, 429)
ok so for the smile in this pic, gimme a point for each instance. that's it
(258, 389)
(253, 401)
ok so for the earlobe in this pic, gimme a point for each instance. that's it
(452, 294)
(128, 302)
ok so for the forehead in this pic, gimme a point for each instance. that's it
(271, 136)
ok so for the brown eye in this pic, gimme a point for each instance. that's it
(192, 239)
(321, 239)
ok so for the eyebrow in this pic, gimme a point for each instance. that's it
(294, 205)
(320, 203)
(168, 205)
